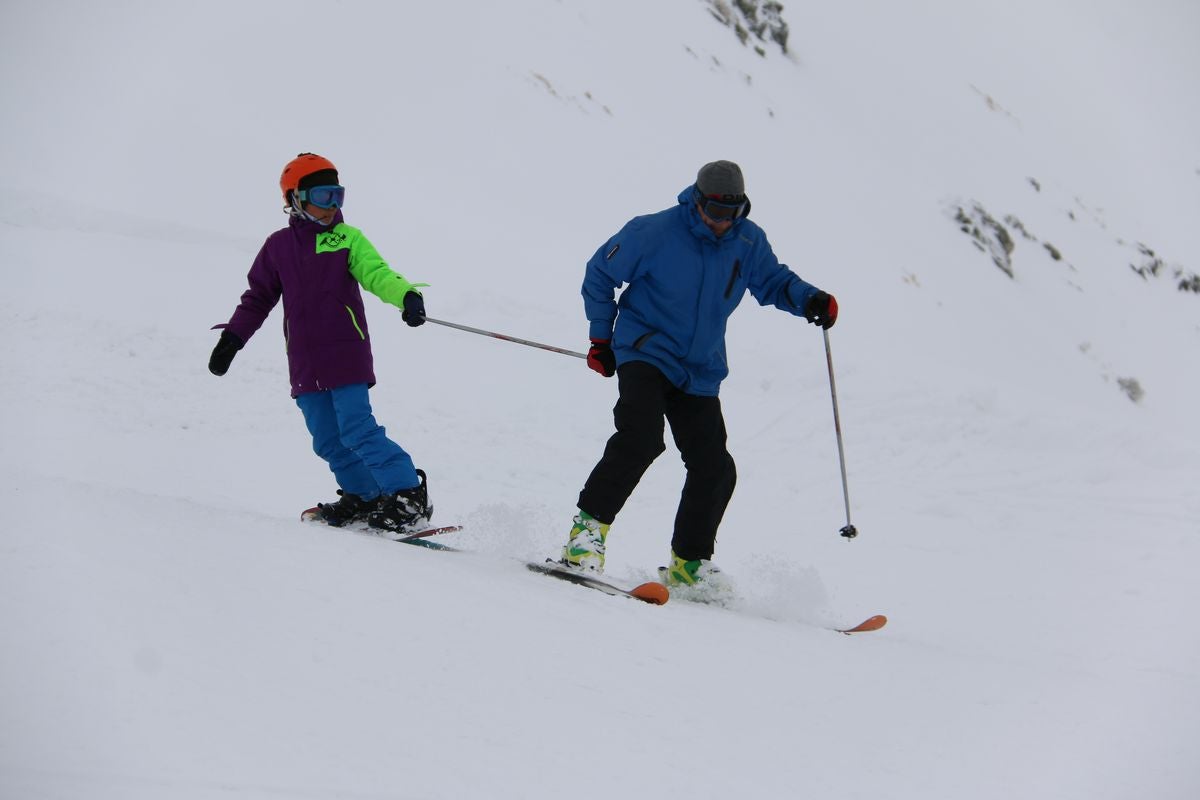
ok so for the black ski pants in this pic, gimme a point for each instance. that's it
(646, 398)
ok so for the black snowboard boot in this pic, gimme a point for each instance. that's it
(406, 511)
(348, 508)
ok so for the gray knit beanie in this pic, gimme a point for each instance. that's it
(721, 180)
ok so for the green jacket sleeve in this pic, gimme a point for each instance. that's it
(374, 274)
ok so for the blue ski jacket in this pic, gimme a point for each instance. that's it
(683, 283)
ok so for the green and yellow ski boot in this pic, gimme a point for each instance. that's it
(584, 549)
(698, 580)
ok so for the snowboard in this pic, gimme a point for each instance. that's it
(419, 538)
(652, 592)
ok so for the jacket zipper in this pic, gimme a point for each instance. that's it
(733, 276)
(354, 322)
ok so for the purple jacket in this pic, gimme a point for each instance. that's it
(317, 271)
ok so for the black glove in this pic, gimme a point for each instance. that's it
(414, 309)
(600, 358)
(821, 309)
(223, 353)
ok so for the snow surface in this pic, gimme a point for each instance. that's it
(170, 630)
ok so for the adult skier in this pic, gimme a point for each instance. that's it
(685, 270)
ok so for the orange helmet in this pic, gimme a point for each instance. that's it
(300, 168)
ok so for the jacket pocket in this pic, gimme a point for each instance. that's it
(641, 340)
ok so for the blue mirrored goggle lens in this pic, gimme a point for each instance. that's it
(324, 196)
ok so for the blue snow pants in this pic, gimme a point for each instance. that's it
(363, 460)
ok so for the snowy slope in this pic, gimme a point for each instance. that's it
(170, 630)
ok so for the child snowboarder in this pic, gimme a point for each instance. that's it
(316, 264)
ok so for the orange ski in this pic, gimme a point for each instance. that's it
(653, 592)
(870, 624)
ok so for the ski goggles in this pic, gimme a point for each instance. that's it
(714, 208)
(324, 196)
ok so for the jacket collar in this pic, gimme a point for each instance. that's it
(299, 223)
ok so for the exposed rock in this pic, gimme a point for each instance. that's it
(1132, 389)
(762, 19)
(1151, 264)
(988, 235)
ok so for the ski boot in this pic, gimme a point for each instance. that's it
(698, 580)
(584, 549)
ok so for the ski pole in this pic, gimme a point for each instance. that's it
(849, 531)
(502, 337)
